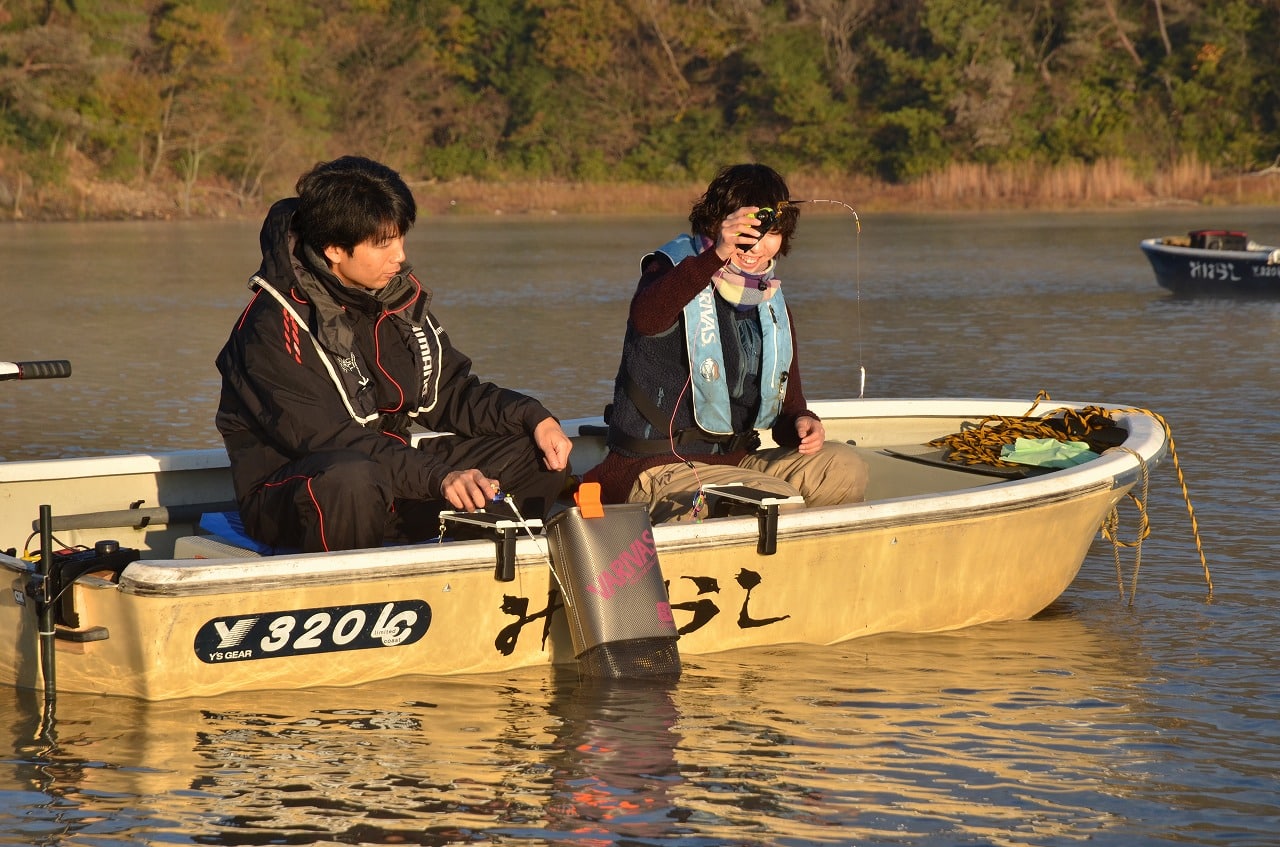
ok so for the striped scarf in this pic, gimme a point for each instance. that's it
(745, 290)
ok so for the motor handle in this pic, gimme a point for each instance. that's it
(49, 369)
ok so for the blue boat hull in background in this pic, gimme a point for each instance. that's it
(1214, 262)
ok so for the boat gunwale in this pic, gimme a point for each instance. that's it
(1262, 253)
(196, 577)
(1118, 467)
(214, 458)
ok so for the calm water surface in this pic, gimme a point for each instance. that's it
(1103, 720)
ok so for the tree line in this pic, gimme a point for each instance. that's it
(242, 95)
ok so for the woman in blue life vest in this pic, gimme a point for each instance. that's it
(710, 356)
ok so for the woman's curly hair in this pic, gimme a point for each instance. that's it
(745, 185)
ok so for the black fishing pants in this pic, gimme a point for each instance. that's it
(343, 500)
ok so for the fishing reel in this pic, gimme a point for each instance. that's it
(766, 218)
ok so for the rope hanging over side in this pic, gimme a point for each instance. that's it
(980, 444)
(1182, 483)
(1111, 530)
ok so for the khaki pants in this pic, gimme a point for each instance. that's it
(835, 474)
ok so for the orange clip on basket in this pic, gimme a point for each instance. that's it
(588, 499)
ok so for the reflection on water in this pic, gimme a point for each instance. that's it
(1008, 734)
(1004, 735)
(1150, 723)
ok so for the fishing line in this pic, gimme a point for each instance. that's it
(699, 498)
(500, 496)
(857, 284)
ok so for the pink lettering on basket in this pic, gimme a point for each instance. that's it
(628, 568)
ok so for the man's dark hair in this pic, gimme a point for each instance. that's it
(745, 185)
(349, 201)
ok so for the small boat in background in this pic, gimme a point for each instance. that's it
(1214, 262)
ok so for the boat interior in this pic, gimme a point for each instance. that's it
(1220, 239)
(174, 521)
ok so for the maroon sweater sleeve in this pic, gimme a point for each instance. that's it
(663, 290)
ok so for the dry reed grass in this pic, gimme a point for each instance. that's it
(1110, 183)
(1106, 184)
(959, 187)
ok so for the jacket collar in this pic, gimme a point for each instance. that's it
(297, 272)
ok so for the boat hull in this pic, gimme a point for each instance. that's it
(974, 550)
(1193, 271)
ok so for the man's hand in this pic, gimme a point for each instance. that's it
(468, 490)
(812, 434)
(553, 443)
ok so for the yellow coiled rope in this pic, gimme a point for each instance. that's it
(981, 443)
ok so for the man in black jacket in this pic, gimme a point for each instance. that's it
(336, 356)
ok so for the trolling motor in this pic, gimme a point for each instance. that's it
(39, 587)
(55, 572)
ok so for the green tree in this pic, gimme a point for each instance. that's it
(190, 58)
(1216, 73)
(789, 109)
(239, 97)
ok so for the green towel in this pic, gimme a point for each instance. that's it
(1047, 452)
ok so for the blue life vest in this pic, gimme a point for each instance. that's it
(706, 352)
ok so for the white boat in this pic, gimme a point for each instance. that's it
(143, 603)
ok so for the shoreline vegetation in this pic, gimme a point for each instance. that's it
(203, 110)
(957, 188)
